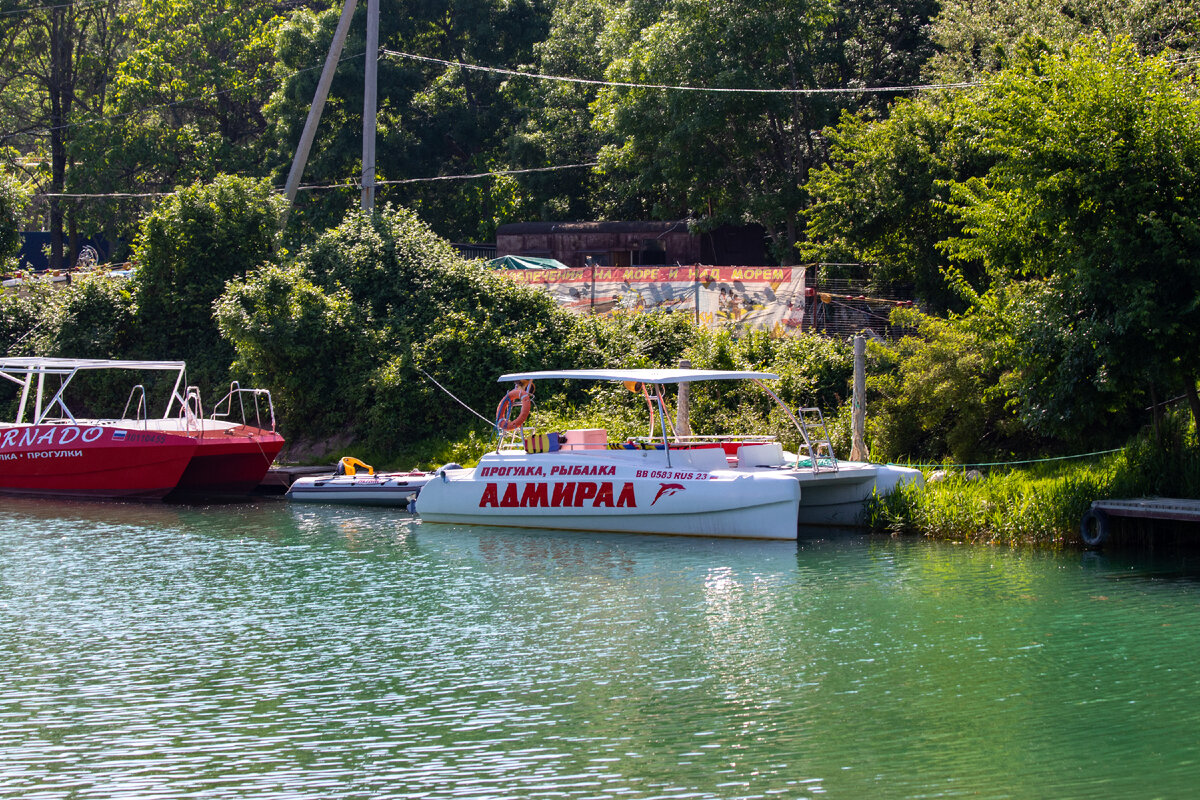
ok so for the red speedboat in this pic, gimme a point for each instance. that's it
(49, 450)
(232, 456)
(101, 461)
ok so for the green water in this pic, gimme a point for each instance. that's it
(285, 651)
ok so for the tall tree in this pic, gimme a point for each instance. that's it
(1095, 190)
(185, 104)
(556, 128)
(729, 156)
(62, 55)
(435, 118)
(881, 198)
(978, 37)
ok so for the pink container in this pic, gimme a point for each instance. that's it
(584, 439)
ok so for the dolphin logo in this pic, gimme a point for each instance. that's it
(666, 490)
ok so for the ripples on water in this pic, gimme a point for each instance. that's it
(285, 651)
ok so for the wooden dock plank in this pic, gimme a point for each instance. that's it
(1172, 508)
(279, 479)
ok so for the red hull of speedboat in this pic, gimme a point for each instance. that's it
(229, 462)
(91, 461)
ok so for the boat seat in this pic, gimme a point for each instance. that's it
(768, 454)
(704, 458)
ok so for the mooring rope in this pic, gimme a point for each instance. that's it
(1008, 463)
(452, 397)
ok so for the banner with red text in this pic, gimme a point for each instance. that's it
(741, 298)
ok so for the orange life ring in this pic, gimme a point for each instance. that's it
(521, 395)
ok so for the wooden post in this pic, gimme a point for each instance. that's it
(318, 103)
(696, 284)
(858, 407)
(369, 106)
(683, 425)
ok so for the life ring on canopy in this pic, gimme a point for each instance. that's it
(520, 395)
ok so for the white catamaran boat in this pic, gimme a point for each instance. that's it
(724, 486)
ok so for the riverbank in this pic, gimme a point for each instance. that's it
(1043, 503)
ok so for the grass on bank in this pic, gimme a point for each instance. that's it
(1044, 503)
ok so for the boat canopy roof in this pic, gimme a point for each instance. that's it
(69, 365)
(641, 375)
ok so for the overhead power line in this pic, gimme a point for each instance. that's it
(323, 186)
(31, 9)
(671, 87)
(467, 177)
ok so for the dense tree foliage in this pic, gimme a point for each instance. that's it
(348, 331)
(555, 123)
(1061, 201)
(193, 242)
(12, 201)
(434, 118)
(184, 103)
(976, 38)
(1096, 187)
(739, 156)
(881, 198)
(1048, 201)
(55, 64)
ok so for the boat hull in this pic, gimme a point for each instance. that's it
(383, 489)
(840, 498)
(228, 462)
(91, 461)
(639, 492)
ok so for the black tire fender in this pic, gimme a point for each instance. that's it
(1094, 527)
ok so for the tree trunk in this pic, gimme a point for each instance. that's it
(60, 91)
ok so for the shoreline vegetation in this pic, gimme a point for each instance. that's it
(351, 332)
(1042, 504)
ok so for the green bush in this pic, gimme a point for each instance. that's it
(346, 335)
(314, 349)
(945, 391)
(189, 246)
(90, 318)
(21, 316)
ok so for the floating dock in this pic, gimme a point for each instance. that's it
(1095, 526)
(279, 479)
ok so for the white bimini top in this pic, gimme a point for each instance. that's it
(641, 375)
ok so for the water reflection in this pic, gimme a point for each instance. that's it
(1163, 563)
(86, 515)
(276, 650)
